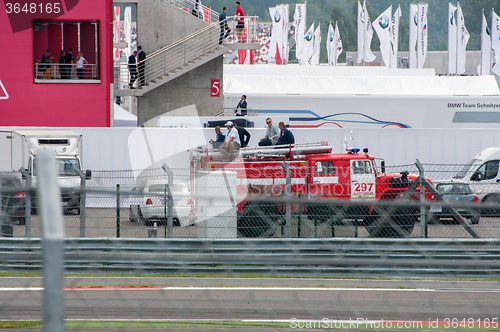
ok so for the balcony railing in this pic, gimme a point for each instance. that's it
(47, 72)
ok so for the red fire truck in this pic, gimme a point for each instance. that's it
(324, 181)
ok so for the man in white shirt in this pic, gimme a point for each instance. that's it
(232, 141)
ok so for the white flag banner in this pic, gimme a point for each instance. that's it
(338, 44)
(452, 39)
(299, 20)
(285, 10)
(368, 54)
(412, 60)
(361, 32)
(462, 39)
(330, 45)
(275, 55)
(485, 48)
(316, 47)
(394, 31)
(382, 28)
(127, 29)
(308, 47)
(422, 34)
(495, 42)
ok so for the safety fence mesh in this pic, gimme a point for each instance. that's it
(239, 201)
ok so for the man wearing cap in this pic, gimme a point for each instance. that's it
(232, 141)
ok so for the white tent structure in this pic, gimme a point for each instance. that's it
(123, 118)
(365, 96)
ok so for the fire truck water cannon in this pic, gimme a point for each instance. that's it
(332, 188)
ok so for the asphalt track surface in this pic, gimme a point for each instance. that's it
(256, 299)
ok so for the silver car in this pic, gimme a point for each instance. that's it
(153, 207)
(456, 192)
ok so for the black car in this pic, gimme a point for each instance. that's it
(13, 197)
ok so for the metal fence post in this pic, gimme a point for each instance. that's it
(53, 235)
(288, 194)
(83, 184)
(118, 210)
(27, 202)
(423, 224)
(170, 202)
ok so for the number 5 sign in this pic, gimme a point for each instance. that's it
(215, 88)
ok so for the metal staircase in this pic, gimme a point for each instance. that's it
(184, 55)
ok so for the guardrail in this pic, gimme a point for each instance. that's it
(300, 257)
(231, 111)
(56, 71)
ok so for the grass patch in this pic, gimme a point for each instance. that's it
(20, 324)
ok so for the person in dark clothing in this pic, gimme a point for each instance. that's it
(61, 64)
(141, 57)
(286, 136)
(242, 105)
(224, 28)
(244, 135)
(220, 137)
(68, 60)
(46, 64)
(132, 67)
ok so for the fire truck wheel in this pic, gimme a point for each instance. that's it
(319, 214)
(405, 223)
(253, 221)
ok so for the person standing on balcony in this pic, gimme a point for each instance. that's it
(132, 67)
(240, 23)
(241, 105)
(45, 68)
(80, 61)
(68, 60)
(224, 28)
(61, 64)
(141, 57)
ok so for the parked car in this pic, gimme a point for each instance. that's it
(152, 204)
(456, 192)
(13, 197)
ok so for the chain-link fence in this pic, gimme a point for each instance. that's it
(243, 200)
(224, 205)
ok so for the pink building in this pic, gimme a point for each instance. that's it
(36, 93)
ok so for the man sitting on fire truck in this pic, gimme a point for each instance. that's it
(286, 136)
(232, 142)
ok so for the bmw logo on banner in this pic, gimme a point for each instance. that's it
(415, 19)
(277, 17)
(309, 36)
(331, 37)
(383, 22)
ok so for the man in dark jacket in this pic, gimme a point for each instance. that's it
(132, 67)
(286, 136)
(224, 28)
(68, 60)
(141, 57)
(244, 135)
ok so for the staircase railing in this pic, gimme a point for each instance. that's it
(189, 5)
(178, 54)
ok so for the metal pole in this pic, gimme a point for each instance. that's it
(27, 202)
(170, 175)
(118, 210)
(83, 184)
(53, 236)
(288, 194)
(422, 199)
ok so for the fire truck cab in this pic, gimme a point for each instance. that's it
(322, 180)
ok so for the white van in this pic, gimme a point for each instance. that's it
(482, 174)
